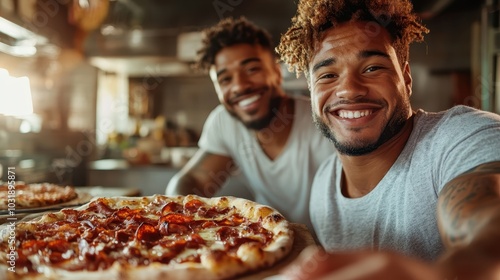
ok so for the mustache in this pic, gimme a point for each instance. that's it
(329, 107)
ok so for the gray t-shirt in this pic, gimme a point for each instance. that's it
(400, 212)
(285, 182)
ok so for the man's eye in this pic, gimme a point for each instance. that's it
(224, 80)
(373, 68)
(253, 69)
(327, 76)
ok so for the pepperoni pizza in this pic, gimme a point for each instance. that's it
(20, 195)
(154, 237)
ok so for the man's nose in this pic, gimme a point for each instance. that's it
(240, 83)
(351, 86)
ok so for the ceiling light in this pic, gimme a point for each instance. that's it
(22, 42)
(21, 51)
(18, 32)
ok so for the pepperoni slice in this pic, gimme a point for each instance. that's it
(148, 233)
(171, 228)
(193, 205)
(100, 206)
(176, 218)
(171, 207)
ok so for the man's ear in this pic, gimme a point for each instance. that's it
(213, 76)
(407, 78)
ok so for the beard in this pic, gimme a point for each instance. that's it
(264, 121)
(359, 147)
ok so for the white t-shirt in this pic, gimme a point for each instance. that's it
(400, 212)
(283, 183)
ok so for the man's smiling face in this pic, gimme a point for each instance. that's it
(359, 92)
(247, 81)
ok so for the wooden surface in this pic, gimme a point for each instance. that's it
(302, 239)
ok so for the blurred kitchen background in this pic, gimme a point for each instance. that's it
(116, 103)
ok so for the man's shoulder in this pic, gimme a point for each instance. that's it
(221, 115)
(219, 110)
(458, 114)
(456, 124)
(330, 163)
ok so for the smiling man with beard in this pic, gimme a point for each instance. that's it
(410, 194)
(257, 129)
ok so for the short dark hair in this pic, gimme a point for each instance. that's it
(230, 32)
(315, 16)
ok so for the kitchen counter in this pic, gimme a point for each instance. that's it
(150, 179)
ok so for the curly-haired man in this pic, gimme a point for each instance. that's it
(269, 136)
(404, 181)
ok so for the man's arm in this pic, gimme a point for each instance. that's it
(203, 175)
(469, 205)
(469, 221)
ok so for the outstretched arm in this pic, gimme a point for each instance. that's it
(469, 222)
(203, 175)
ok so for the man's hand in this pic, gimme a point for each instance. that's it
(314, 263)
(470, 262)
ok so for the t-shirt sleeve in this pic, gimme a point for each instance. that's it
(212, 137)
(473, 139)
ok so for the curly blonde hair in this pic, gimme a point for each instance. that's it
(315, 16)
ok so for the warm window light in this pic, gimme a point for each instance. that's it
(18, 50)
(18, 32)
(26, 41)
(3, 73)
(4, 80)
(15, 95)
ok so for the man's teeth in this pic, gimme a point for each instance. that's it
(248, 101)
(354, 114)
